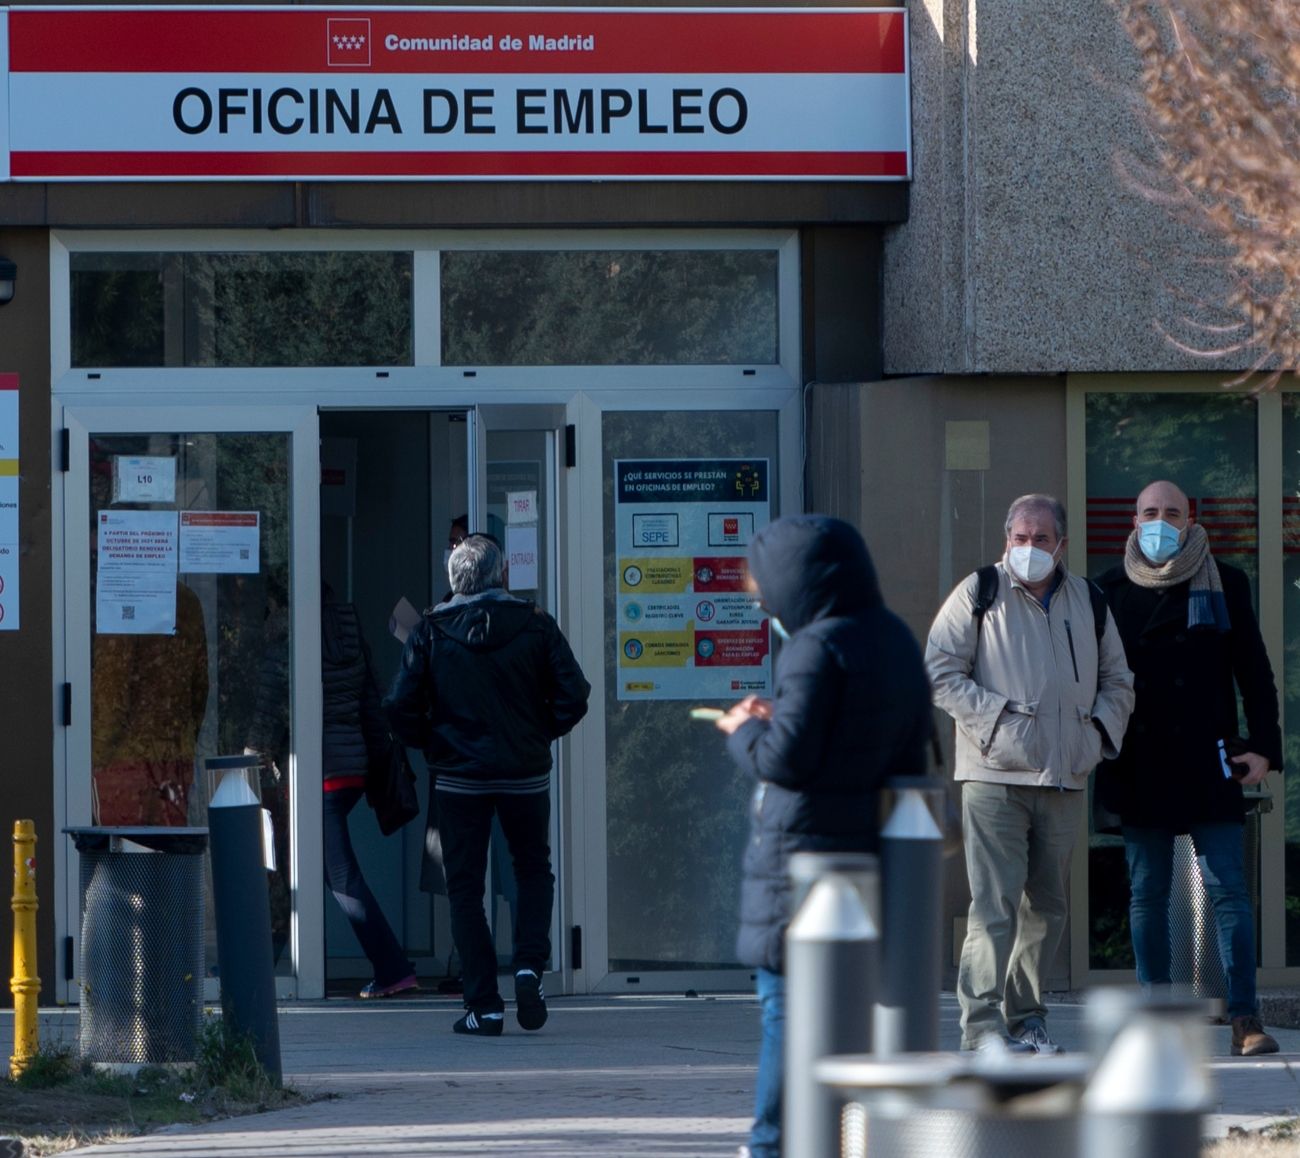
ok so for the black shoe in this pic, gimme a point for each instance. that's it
(480, 1024)
(530, 1001)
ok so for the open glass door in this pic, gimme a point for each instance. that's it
(515, 477)
(188, 545)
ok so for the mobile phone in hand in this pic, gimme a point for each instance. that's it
(1233, 769)
(707, 713)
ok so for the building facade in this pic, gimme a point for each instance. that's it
(303, 377)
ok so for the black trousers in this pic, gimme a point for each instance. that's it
(466, 826)
(387, 957)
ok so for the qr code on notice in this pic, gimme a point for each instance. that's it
(128, 611)
(243, 552)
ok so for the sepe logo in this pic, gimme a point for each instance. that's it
(348, 42)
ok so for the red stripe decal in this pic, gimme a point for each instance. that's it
(323, 165)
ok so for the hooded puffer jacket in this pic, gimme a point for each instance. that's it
(851, 710)
(353, 724)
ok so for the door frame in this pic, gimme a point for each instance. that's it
(70, 508)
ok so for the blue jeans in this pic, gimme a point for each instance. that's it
(765, 1134)
(1219, 848)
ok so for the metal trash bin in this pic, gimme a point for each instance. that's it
(1194, 960)
(142, 951)
(961, 1106)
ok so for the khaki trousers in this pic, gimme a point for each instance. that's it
(1018, 844)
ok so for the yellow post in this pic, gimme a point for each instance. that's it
(24, 983)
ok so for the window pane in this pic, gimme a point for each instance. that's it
(1207, 444)
(677, 806)
(609, 308)
(241, 309)
(117, 309)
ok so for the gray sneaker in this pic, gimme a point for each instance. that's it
(1033, 1034)
(1002, 1043)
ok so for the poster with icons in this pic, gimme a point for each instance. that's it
(8, 502)
(688, 626)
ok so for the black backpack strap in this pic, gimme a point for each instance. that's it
(1100, 609)
(984, 596)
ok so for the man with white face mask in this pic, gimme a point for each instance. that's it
(1039, 695)
(1192, 638)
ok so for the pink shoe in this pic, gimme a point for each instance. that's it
(405, 985)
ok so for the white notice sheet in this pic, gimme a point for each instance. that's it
(135, 580)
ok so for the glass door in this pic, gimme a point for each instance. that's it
(184, 638)
(515, 477)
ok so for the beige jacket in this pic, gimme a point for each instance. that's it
(1026, 690)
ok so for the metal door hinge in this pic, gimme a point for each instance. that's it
(570, 445)
(67, 705)
(575, 947)
(65, 450)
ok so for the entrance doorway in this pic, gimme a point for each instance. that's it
(398, 488)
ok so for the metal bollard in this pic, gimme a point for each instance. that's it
(1151, 1085)
(911, 868)
(25, 984)
(831, 963)
(242, 909)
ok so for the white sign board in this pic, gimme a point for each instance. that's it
(144, 479)
(281, 93)
(521, 558)
(521, 507)
(688, 627)
(135, 577)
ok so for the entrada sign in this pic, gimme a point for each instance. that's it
(426, 93)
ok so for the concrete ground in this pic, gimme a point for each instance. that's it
(646, 1075)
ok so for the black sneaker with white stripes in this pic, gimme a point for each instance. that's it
(530, 1001)
(480, 1024)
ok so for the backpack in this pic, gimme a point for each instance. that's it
(988, 591)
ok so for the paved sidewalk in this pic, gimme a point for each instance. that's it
(664, 1076)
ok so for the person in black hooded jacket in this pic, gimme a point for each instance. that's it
(487, 684)
(851, 710)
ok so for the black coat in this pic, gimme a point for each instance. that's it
(1168, 773)
(851, 710)
(487, 683)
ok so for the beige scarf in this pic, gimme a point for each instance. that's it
(1206, 605)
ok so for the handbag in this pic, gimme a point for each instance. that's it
(390, 788)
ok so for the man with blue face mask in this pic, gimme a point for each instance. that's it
(1039, 695)
(1192, 639)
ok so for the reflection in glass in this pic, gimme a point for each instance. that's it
(609, 308)
(1208, 446)
(194, 684)
(676, 804)
(241, 309)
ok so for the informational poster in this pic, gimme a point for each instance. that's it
(8, 502)
(144, 478)
(688, 627)
(135, 574)
(220, 542)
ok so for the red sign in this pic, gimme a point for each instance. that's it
(386, 93)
